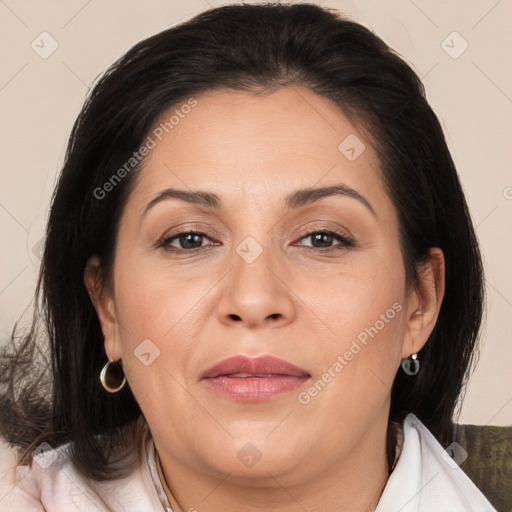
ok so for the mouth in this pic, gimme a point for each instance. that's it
(248, 379)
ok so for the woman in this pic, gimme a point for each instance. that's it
(261, 285)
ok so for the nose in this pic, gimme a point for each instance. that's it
(256, 293)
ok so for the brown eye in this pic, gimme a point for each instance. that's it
(186, 240)
(324, 239)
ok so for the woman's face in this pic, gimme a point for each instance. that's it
(255, 283)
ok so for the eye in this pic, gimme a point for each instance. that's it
(184, 241)
(191, 241)
(322, 239)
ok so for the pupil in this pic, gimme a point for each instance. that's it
(318, 238)
(188, 238)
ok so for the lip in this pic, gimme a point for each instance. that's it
(254, 379)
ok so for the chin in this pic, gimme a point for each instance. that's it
(256, 457)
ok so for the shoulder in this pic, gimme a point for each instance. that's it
(52, 484)
(428, 477)
(20, 485)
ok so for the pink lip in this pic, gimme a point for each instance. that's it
(267, 376)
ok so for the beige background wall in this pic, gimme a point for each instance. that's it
(469, 88)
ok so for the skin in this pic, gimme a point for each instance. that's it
(294, 301)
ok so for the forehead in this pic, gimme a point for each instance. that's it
(259, 146)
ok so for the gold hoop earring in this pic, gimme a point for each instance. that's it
(108, 380)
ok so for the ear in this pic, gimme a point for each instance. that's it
(424, 303)
(103, 302)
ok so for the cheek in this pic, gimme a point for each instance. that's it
(362, 301)
(160, 319)
(155, 301)
(367, 327)
(364, 309)
(155, 315)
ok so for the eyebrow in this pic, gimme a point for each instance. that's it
(294, 200)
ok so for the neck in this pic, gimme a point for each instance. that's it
(353, 484)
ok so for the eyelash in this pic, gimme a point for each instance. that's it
(346, 242)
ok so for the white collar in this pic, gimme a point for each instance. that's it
(425, 478)
(153, 470)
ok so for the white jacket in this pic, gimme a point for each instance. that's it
(424, 479)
